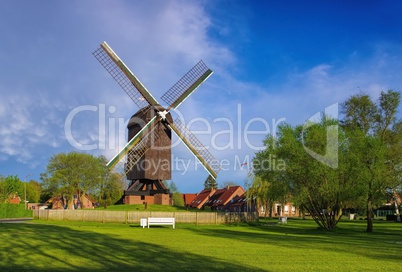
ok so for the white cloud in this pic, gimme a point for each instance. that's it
(26, 126)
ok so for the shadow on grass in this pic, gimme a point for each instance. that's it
(349, 238)
(36, 247)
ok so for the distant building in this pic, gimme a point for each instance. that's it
(60, 202)
(13, 198)
(199, 201)
(221, 197)
(234, 199)
(37, 206)
(188, 198)
(240, 204)
(216, 199)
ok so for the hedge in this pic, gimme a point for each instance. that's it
(8, 210)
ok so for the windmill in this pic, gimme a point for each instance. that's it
(146, 158)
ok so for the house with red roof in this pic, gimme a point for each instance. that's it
(13, 198)
(216, 199)
(222, 197)
(199, 201)
(240, 204)
(60, 202)
(188, 198)
(234, 199)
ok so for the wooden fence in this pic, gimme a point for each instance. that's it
(133, 217)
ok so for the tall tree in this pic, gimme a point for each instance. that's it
(374, 137)
(269, 186)
(72, 174)
(312, 182)
(260, 192)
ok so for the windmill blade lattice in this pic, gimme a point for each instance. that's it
(136, 152)
(186, 85)
(196, 147)
(121, 78)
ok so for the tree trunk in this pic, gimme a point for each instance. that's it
(81, 198)
(71, 203)
(369, 214)
(270, 210)
(266, 209)
(398, 215)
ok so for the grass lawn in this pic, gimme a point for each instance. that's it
(264, 246)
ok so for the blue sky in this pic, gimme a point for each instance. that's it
(273, 61)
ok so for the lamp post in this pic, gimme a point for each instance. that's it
(25, 190)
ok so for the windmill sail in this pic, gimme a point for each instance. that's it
(186, 85)
(196, 147)
(136, 151)
(123, 76)
(132, 143)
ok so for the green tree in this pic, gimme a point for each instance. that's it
(259, 191)
(177, 199)
(210, 183)
(34, 191)
(374, 139)
(176, 195)
(73, 173)
(269, 186)
(172, 187)
(319, 186)
(111, 189)
(9, 185)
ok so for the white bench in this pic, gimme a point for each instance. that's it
(283, 220)
(161, 221)
(143, 222)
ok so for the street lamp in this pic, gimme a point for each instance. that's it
(25, 190)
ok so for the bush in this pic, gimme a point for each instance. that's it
(8, 210)
(177, 200)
